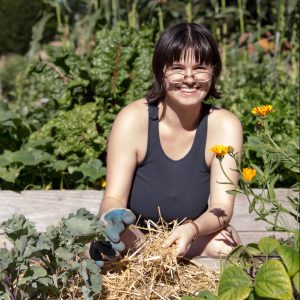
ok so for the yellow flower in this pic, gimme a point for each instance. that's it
(262, 111)
(220, 150)
(103, 183)
(248, 174)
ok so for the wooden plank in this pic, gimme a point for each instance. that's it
(48, 207)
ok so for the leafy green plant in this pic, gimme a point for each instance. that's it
(263, 270)
(45, 265)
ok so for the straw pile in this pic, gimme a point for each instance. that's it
(151, 272)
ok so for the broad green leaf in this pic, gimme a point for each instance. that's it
(59, 165)
(10, 174)
(5, 259)
(32, 273)
(233, 277)
(3, 161)
(91, 275)
(78, 226)
(296, 281)
(63, 254)
(92, 169)
(290, 257)
(272, 281)
(267, 245)
(235, 293)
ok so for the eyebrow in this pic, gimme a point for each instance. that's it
(183, 65)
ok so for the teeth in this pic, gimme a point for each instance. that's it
(186, 90)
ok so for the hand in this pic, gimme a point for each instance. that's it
(182, 236)
(115, 222)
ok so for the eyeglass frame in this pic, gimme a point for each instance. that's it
(192, 75)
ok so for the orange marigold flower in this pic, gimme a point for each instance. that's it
(248, 174)
(220, 150)
(262, 111)
(103, 183)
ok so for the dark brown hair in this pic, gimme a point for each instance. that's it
(175, 43)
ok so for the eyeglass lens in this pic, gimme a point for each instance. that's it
(199, 76)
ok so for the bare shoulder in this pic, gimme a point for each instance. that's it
(223, 119)
(133, 116)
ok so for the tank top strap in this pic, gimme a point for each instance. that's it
(153, 112)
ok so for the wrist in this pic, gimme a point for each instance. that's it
(197, 231)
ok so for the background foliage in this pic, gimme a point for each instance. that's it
(84, 60)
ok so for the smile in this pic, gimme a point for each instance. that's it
(188, 90)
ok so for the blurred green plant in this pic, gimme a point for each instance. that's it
(71, 102)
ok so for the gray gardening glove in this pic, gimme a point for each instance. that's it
(115, 221)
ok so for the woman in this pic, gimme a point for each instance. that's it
(159, 151)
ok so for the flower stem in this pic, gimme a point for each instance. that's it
(225, 173)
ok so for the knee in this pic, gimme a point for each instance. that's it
(223, 243)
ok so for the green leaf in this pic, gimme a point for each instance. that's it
(290, 257)
(296, 238)
(235, 293)
(10, 174)
(92, 169)
(296, 281)
(207, 295)
(267, 245)
(91, 275)
(18, 226)
(78, 226)
(32, 273)
(272, 281)
(234, 192)
(252, 248)
(64, 254)
(233, 278)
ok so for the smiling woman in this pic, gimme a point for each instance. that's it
(159, 152)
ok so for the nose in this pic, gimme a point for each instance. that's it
(189, 78)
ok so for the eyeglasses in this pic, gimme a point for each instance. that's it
(178, 77)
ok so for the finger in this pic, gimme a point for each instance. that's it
(118, 246)
(113, 232)
(181, 248)
(170, 240)
(128, 216)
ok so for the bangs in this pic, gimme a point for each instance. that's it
(190, 45)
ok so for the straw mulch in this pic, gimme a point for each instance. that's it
(151, 272)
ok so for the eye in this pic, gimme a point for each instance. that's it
(175, 68)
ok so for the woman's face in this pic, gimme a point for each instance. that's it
(187, 81)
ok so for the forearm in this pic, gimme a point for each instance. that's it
(214, 219)
(109, 203)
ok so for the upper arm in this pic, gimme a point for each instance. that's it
(226, 130)
(122, 151)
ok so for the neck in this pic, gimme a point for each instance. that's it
(180, 117)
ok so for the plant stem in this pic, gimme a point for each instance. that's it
(258, 11)
(241, 17)
(224, 42)
(160, 19)
(188, 11)
(225, 173)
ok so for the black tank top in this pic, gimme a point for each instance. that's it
(179, 187)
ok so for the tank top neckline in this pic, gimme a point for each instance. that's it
(203, 113)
